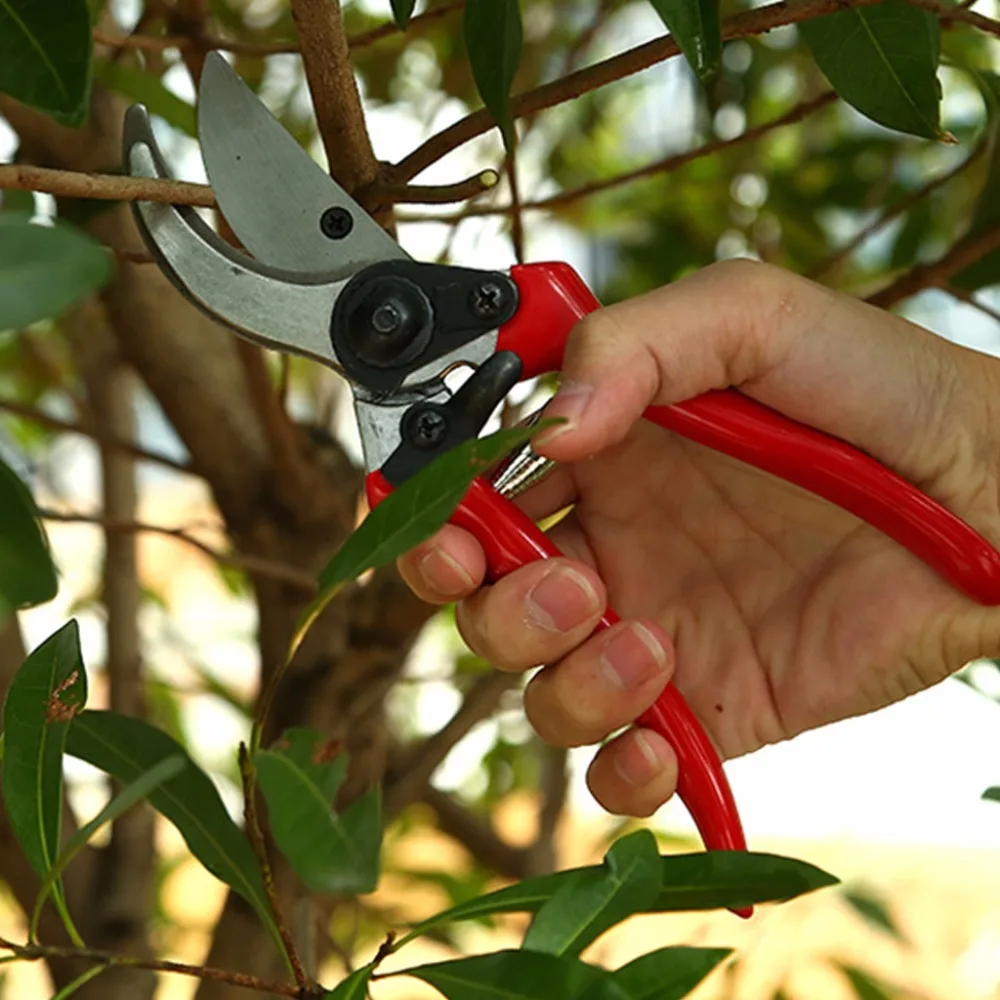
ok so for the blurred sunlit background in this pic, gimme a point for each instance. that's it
(890, 803)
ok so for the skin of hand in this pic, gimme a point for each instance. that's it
(773, 611)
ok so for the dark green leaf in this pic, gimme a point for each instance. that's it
(667, 974)
(413, 512)
(45, 56)
(986, 215)
(145, 88)
(330, 853)
(585, 907)
(866, 987)
(45, 269)
(493, 39)
(27, 575)
(694, 25)
(883, 60)
(17, 201)
(401, 11)
(354, 987)
(121, 803)
(707, 881)
(511, 975)
(48, 690)
(125, 748)
(873, 910)
(992, 794)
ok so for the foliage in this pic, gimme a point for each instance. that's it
(858, 191)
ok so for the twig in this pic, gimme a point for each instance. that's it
(665, 165)
(105, 187)
(35, 952)
(950, 14)
(969, 299)
(893, 211)
(252, 565)
(158, 43)
(516, 217)
(54, 423)
(433, 194)
(741, 25)
(256, 838)
(940, 272)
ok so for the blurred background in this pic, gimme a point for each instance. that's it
(890, 803)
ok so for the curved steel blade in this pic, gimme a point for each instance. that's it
(288, 311)
(270, 190)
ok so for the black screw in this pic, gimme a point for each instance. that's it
(428, 428)
(386, 319)
(336, 222)
(487, 300)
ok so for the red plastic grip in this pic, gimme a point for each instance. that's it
(511, 540)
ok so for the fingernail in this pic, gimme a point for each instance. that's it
(567, 406)
(561, 600)
(444, 574)
(642, 760)
(632, 657)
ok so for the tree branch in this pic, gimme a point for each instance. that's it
(253, 566)
(104, 187)
(742, 25)
(969, 299)
(939, 272)
(43, 419)
(34, 952)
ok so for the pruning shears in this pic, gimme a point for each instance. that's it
(326, 282)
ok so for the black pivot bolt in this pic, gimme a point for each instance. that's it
(487, 300)
(336, 222)
(426, 428)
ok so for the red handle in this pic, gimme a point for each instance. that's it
(511, 540)
(553, 298)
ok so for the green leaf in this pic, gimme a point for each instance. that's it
(871, 909)
(585, 907)
(695, 27)
(330, 853)
(401, 12)
(992, 794)
(354, 987)
(45, 56)
(493, 39)
(126, 748)
(48, 690)
(45, 269)
(667, 974)
(317, 756)
(13, 200)
(128, 797)
(865, 986)
(27, 574)
(883, 61)
(510, 975)
(145, 88)
(914, 230)
(413, 512)
(707, 881)
(986, 215)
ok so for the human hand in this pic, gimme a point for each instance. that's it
(773, 611)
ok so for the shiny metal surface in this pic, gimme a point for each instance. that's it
(272, 193)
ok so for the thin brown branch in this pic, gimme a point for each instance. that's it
(665, 165)
(340, 117)
(413, 768)
(433, 194)
(950, 14)
(104, 187)
(904, 204)
(516, 213)
(35, 952)
(940, 272)
(251, 565)
(742, 25)
(158, 43)
(256, 837)
(969, 299)
(68, 427)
